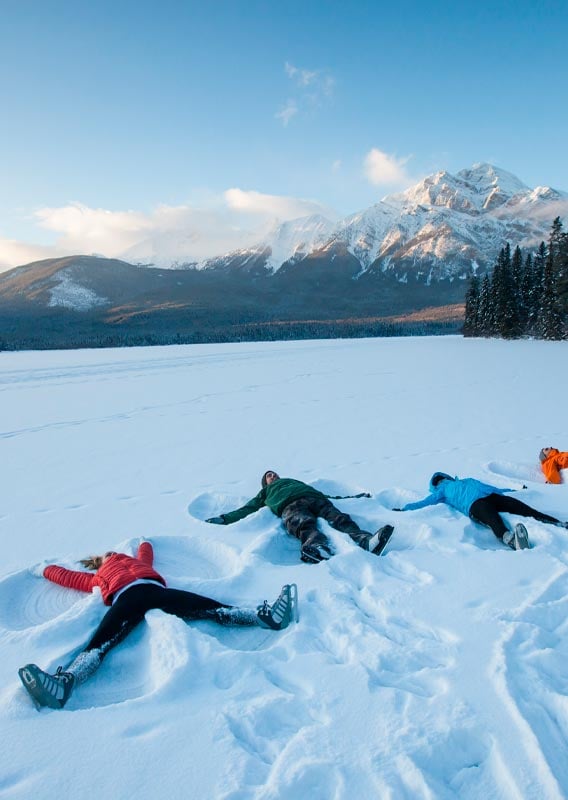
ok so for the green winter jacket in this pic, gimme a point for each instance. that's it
(276, 496)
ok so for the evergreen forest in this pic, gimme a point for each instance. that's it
(525, 295)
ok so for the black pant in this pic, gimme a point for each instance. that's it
(129, 610)
(301, 516)
(486, 510)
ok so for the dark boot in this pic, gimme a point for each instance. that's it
(281, 613)
(48, 690)
(314, 553)
(380, 539)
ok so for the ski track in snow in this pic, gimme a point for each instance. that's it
(436, 671)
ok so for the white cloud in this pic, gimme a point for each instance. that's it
(14, 253)
(271, 205)
(285, 114)
(384, 169)
(87, 230)
(313, 87)
(303, 77)
(234, 220)
(336, 166)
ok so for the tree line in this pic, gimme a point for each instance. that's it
(247, 332)
(525, 295)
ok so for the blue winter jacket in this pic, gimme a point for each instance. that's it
(457, 493)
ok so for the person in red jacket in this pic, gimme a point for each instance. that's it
(551, 462)
(131, 587)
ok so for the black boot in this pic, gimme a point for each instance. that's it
(379, 540)
(279, 615)
(45, 689)
(314, 553)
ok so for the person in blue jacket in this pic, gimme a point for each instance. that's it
(484, 504)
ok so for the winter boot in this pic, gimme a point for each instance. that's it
(521, 537)
(279, 615)
(379, 540)
(509, 539)
(314, 553)
(45, 689)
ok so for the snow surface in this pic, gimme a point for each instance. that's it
(439, 670)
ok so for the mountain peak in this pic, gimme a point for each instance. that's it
(478, 188)
(486, 178)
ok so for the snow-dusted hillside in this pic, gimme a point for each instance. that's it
(438, 670)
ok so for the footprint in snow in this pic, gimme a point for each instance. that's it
(535, 676)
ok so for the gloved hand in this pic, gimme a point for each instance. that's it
(137, 542)
(38, 569)
(216, 520)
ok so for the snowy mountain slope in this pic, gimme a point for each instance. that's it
(444, 226)
(436, 671)
(296, 239)
(449, 224)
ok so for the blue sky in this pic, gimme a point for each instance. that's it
(119, 115)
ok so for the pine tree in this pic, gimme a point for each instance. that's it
(535, 300)
(496, 295)
(471, 321)
(526, 293)
(485, 308)
(505, 309)
(555, 239)
(550, 321)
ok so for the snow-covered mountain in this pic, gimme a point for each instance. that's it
(444, 226)
(412, 251)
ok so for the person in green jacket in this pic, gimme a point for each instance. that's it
(299, 505)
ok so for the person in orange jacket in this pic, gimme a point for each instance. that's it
(131, 587)
(552, 461)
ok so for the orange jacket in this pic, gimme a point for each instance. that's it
(117, 572)
(553, 464)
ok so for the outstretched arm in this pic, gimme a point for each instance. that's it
(430, 500)
(240, 513)
(145, 553)
(72, 579)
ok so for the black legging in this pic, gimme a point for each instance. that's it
(131, 606)
(486, 510)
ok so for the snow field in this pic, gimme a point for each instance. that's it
(438, 670)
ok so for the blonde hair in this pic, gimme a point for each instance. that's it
(92, 562)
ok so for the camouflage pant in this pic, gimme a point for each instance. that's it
(300, 519)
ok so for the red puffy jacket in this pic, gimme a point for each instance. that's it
(117, 572)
